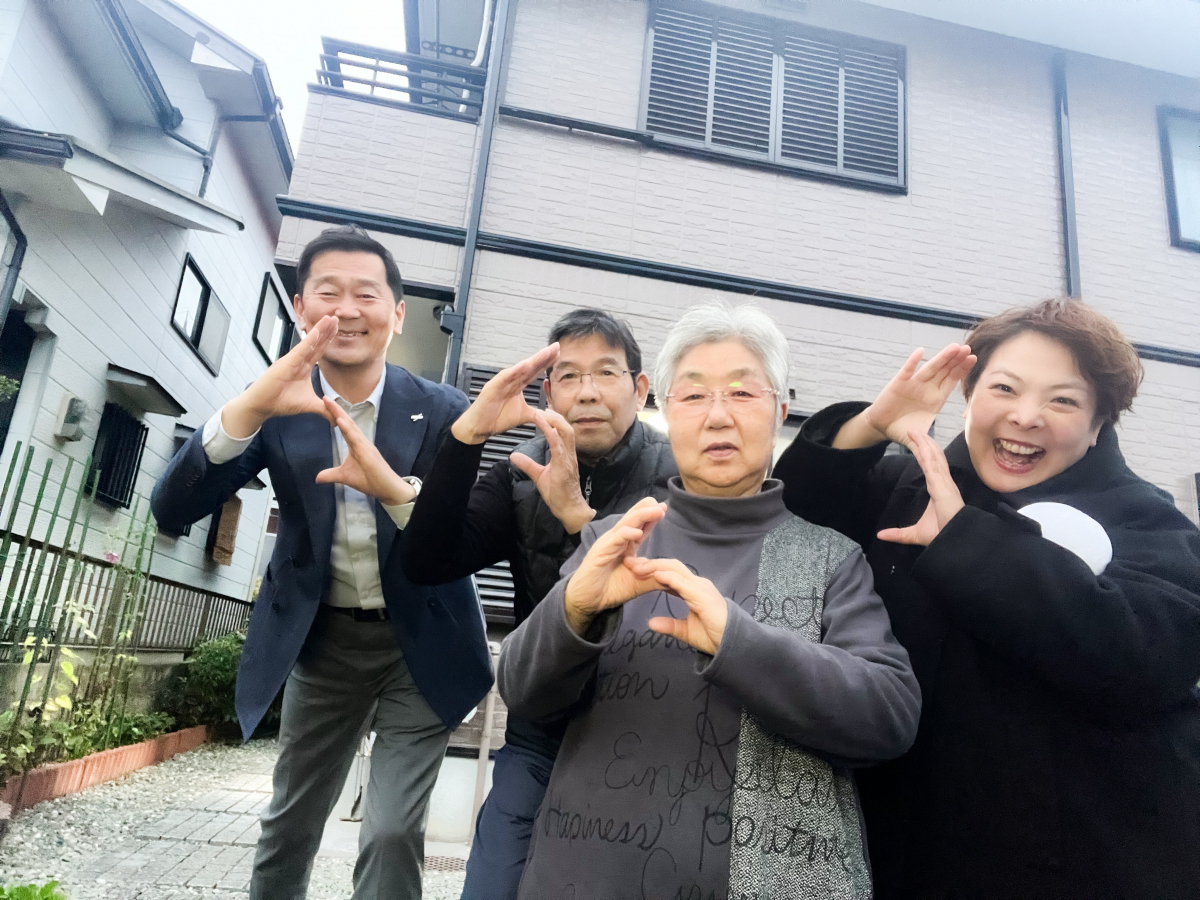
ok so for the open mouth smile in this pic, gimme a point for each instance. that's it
(1016, 457)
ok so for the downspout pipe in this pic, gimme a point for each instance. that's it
(1066, 178)
(453, 320)
(9, 286)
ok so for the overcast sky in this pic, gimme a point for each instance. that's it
(287, 34)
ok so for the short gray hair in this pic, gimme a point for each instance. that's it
(719, 321)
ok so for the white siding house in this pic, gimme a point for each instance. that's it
(875, 175)
(140, 155)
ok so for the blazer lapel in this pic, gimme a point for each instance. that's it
(308, 445)
(400, 426)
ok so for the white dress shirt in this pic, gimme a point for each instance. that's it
(354, 559)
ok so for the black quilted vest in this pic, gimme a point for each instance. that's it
(639, 466)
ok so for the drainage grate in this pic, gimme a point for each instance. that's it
(445, 864)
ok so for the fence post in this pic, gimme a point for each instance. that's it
(485, 746)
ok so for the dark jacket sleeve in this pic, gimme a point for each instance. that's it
(841, 489)
(1126, 641)
(192, 487)
(458, 525)
(545, 667)
(852, 696)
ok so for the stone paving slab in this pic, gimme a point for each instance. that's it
(198, 844)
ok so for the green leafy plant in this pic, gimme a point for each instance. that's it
(86, 729)
(8, 387)
(201, 690)
(47, 891)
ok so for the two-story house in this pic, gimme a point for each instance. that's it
(140, 155)
(875, 175)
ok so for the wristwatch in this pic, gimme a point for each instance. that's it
(415, 482)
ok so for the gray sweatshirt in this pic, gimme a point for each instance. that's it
(638, 803)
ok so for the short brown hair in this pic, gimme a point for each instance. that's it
(1104, 356)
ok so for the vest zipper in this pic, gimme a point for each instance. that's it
(587, 490)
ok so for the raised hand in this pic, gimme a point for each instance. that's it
(558, 480)
(285, 389)
(501, 404)
(708, 612)
(364, 467)
(910, 401)
(945, 499)
(602, 580)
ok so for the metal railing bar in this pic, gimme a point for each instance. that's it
(336, 45)
(400, 89)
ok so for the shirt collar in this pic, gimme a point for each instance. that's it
(373, 399)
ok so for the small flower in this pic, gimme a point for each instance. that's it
(111, 556)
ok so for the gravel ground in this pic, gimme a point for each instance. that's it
(57, 839)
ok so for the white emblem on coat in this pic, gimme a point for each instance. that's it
(417, 416)
(1076, 531)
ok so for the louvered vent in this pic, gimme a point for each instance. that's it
(495, 582)
(742, 92)
(679, 75)
(872, 118)
(810, 99)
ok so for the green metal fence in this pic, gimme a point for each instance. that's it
(56, 597)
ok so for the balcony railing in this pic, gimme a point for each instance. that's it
(402, 79)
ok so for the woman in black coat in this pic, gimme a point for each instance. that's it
(1058, 754)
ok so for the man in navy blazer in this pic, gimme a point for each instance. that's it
(345, 437)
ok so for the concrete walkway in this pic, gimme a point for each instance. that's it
(198, 839)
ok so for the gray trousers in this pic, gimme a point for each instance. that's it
(345, 670)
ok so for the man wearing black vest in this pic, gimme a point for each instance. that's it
(593, 458)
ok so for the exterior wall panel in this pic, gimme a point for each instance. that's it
(978, 230)
(591, 65)
(43, 88)
(384, 159)
(1128, 267)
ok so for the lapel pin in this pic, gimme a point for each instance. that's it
(417, 416)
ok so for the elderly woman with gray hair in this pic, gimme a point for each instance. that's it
(725, 663)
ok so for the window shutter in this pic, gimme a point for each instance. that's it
(677, 103)
(742, 90)
(809, 130)
(872, 113)
(800, 97)
(495, 582)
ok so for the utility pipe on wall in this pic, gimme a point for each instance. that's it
(454, 319)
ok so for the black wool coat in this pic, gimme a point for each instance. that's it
(1058, 754)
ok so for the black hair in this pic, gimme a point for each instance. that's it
(350, 239)
(581, 323)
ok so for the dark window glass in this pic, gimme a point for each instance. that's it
(199, 317)
(273, 328)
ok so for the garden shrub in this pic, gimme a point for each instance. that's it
(201, 690)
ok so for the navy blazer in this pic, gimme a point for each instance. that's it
(440, 629)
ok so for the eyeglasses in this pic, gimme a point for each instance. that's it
(696, 400)
(603, 378)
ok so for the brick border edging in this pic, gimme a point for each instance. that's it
(59, 779)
